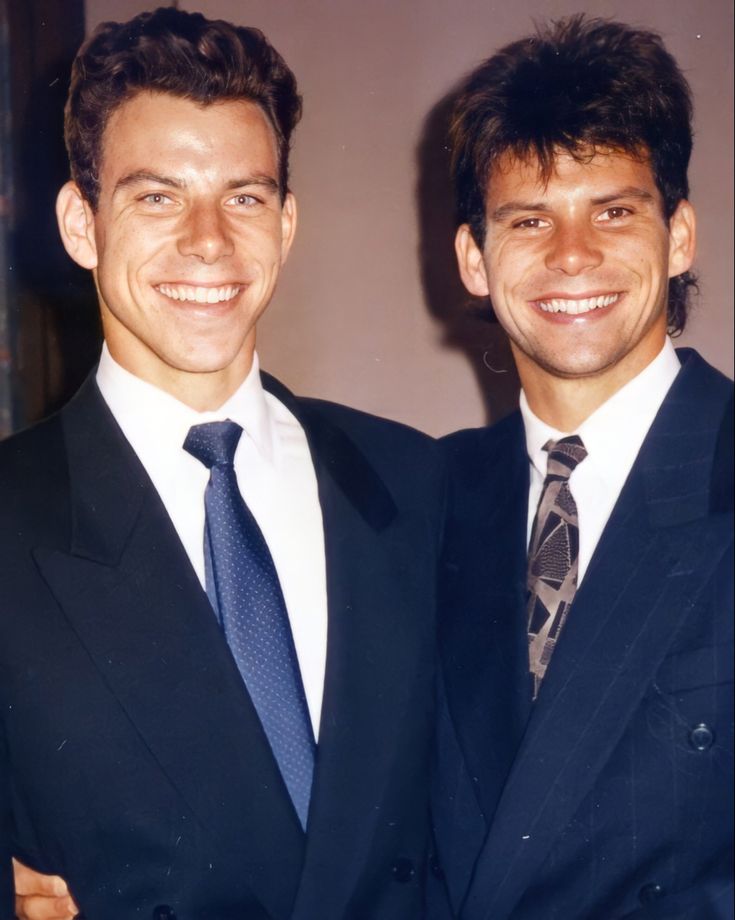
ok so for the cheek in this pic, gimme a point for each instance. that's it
(647, 273)
(261, 253)
(644, 256)
(140, 253)
(264, 240)
(512, 270)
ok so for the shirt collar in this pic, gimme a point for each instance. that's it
(148, 414)
(620, 424)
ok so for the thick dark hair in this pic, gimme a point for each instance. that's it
(578, 85)
(186, 55)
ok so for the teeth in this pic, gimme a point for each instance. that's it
(557, 305)
(192, 294)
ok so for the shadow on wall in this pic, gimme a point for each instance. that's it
(468, 322)
(56, 321)
(58, 326)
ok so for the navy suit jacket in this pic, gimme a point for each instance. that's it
(134, 763)
(611, 796)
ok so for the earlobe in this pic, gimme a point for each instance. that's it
(288, 225)
(471, 263)
(682, 239)
(76, 225)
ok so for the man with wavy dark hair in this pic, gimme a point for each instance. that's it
(585, 749)
(216, 629)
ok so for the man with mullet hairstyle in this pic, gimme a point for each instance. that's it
(585, 745)
(216, 599)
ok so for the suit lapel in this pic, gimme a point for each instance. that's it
(129, 592)
(483, 586)
(371, 659)
(654, 558)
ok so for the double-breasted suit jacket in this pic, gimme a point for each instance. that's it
(611, 795)
(134, 763)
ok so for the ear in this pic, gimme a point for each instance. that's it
(682, 238)
(288, 225)
(76, 225)
(471, 262)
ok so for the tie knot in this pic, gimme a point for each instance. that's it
(213, 443)
(564, 456)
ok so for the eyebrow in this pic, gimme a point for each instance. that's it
(263, 181)
(143, 175)
(514, 207)
(630, 191)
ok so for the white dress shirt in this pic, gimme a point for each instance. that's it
(276, 477)
(613, 436)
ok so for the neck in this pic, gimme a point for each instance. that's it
(203, 391)
(566, 402)
(563, 404)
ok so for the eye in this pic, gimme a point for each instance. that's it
(530, 223)
(243, 200)
(614, 213)
(157, 199)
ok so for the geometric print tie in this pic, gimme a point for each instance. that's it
(243, 587)
(553, 555)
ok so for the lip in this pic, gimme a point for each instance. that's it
(564, 307)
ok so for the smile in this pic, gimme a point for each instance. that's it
(574, 307)
(190, 293)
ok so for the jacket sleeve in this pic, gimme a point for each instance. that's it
(7, 898)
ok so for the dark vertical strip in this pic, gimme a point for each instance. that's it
(53, 335)
(7, 337)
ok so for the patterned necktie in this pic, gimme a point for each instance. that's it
(243, 587)
(553, 555)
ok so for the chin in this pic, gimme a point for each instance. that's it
(577, 366)
(203, 365)
(207, 357)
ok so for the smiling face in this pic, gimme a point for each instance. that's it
(577, 269)
(187, 242)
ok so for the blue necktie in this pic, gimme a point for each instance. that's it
(242, 584)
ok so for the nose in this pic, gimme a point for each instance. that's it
(573, 249)
(205, 234)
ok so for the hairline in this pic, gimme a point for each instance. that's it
(136, 91)
(580, 150)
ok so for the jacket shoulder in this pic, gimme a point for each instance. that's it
(472, 453)
(37, 451)
(367, 453)
(706, 397)
(702, 375)
(467, 438)
(364, 426)
(34, 483)
(370, 431)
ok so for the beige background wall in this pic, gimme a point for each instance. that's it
(369, 311)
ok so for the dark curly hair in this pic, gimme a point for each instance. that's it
(186, 55)
(576, 85)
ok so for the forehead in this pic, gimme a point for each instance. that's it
(171, 129)
(587, 171)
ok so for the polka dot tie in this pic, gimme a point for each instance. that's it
(242, 584)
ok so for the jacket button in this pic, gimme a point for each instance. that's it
(403, 870)
(163, 912)
(650, 893)
(701, 737)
